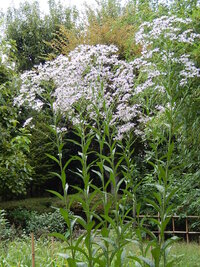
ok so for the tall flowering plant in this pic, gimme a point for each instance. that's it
(166, 69)
(167, 75)
(105, 98)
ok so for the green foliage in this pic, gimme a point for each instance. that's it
(27, 222)
(45, 223)
(109, 23)
(41, 143)
(15, 170)
(18, 252)
(40, 205)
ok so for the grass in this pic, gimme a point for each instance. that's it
(18, 253)
(189, 254)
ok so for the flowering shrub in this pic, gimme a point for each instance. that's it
(92, 73)
(92, 85)
(162, 55)
(89, 74)
(166, 71)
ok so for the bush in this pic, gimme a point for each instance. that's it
(20, 217)
(27, 221)
(45, 223)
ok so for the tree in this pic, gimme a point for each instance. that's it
(31, 30)
(15, 171)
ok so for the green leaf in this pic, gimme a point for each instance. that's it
(108, 169)
(65, 215)
(67, 163)
(60, 147)
(110, 220)
(81, 221)
(56, 194)
(170, 150)
(82, 264)
(170, 195)
(156, 255)
(147, 261)
(56, 174)
(59, 236)
(164, 224)
(53, 158)
(65, 256)
(78, 248)
(158, 197)
(71, 262)
(153, 204)
(74, 142)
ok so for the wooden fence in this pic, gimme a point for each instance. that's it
(174, 230)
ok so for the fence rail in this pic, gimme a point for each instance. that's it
(187, 232)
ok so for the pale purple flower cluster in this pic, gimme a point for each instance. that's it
(89, 76)
(158, 40)
(92, 76)
(163, 28)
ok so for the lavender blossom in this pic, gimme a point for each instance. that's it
(92, 77)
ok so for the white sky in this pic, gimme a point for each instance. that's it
(4, 4)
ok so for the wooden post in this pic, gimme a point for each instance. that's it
(52, 242)
(33, 250)
(52, 249)
(173, 225)
(187, 231)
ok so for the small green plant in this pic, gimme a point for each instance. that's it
(6, 231)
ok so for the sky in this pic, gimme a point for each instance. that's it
(4, 4)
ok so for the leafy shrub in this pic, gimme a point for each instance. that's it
(45, 223)
(27, 221)
(20, 217)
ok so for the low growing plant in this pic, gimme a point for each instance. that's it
(6, 230)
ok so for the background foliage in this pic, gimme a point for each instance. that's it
(15, 169)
